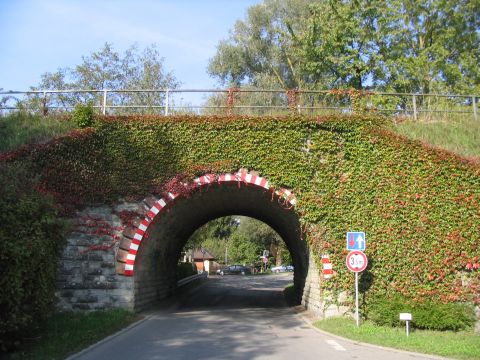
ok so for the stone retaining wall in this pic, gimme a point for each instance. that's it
(87, 278)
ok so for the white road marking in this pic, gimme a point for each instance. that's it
(335, 345)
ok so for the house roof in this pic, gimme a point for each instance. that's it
(198, 255)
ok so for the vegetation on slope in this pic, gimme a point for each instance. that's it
(19, 128)
(418, 206)
(460, 136)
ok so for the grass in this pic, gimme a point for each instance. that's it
(461, 136)
(21, 128)
(458, 345)
(67, 333)
(289, 294)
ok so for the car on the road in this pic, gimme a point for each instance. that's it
(234, 270)
(282, 268)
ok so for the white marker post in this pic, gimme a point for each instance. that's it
(357, 262)
(407, 317)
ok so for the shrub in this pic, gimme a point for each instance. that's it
(31, 242)
(185, 270)
(438, 316)
(84, 114)
(428, 315)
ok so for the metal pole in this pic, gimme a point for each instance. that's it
(408, 327)
(104, 102)
(357, 318)
(414, 102)
(474, 104)
(166, 102)
(44, 110)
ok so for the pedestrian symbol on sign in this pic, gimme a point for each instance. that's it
(356, 240)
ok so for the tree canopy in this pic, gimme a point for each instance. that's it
(108, 69)
(394, 45)
(242, 238)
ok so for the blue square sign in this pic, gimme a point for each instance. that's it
(356, 240)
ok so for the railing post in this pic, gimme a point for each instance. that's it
(474, 104)
(166, 102)
(44, 101)
(414, 103)
(104, 107)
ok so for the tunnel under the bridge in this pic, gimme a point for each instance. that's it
(158, 254)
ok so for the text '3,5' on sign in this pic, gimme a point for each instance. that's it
(356, 240)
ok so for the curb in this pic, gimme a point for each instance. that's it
(146, 316)
(355, 342)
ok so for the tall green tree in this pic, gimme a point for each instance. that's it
(396, 45)
(214, 236)
(108, 69)
(260, 49)
(430, 46)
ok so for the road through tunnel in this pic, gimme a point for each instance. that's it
(160, 238)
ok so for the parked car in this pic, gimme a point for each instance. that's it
(282, 268)
(234, 270)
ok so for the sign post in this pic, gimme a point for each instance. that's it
(357, 262)
(407, 317)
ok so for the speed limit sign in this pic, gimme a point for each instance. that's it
(356, 261)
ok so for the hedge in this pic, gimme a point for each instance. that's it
(428, 314)
(31, 238)
(419, 206)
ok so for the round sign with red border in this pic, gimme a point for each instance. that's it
(356, 261)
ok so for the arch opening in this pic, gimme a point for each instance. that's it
(247, 243)
(161, 236)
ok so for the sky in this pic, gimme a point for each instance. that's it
(39, 36)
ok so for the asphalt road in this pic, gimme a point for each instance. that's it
(232, 317)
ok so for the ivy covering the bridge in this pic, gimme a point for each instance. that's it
(418, 206)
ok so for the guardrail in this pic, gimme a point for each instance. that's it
(241, 101)
(189, 279)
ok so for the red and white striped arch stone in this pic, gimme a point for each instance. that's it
(205, 180)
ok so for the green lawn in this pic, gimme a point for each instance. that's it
(67, 333)
(461, 136)
(21, 128)
(460, 345)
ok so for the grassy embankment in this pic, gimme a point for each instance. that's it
(20, 128)
(67, 333)
(458, 345)
(461, 136)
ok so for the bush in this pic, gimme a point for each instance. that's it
(428, 315)
(185, 270)
(84, 114)
(31, 242)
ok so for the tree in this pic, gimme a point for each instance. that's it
(214, 235)
(399, 45)
(259, 50)
(108, 69)
(243, 249)
(430, 46)
(245, 238)
(339, 46)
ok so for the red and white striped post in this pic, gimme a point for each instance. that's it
(327, 267)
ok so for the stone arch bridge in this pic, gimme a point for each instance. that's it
(137, 267)
(310, 179)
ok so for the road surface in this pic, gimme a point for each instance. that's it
(231, 317)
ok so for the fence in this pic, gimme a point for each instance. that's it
(243, 101)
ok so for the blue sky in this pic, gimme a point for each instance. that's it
(43, 35)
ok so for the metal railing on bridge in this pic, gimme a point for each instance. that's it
(242, 101)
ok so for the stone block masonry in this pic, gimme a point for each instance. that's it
(87, 277)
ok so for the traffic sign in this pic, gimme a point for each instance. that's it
(356, 240)
(356, 261)
(265, 260)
